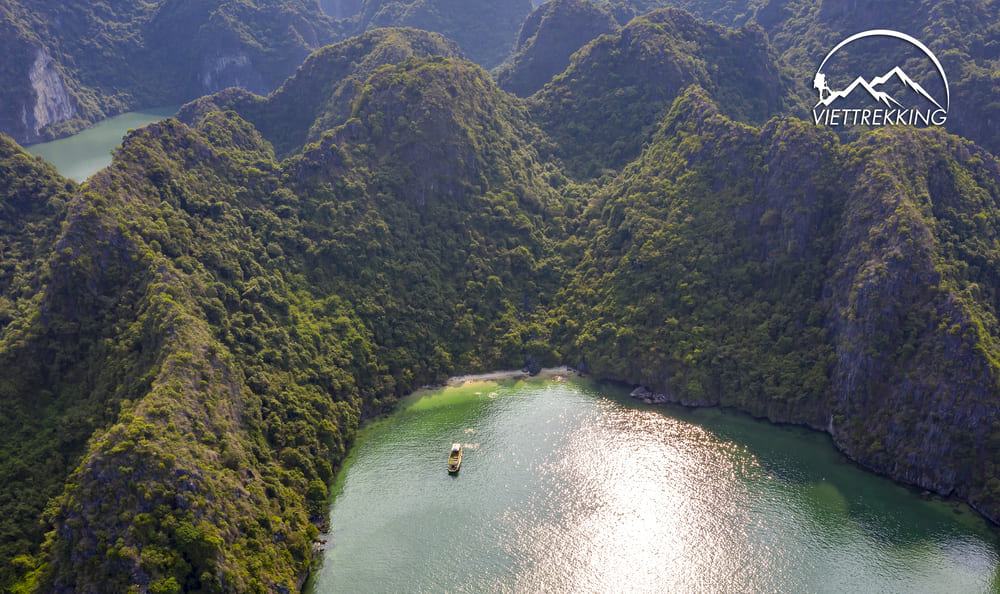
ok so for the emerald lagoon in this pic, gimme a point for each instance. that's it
(85, 153)
(570, 486)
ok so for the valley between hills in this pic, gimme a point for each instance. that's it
(190, 339)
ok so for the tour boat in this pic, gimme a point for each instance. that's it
(455, 457)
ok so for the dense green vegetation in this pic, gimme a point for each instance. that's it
(103, 59)
(38, 442)
(318, 97)
(109, 57)
(240, 316)
(775, 69)
(605, 106)
(849, 287)
(963, 35)
(729, 13)
(704, 275)
(190, 339)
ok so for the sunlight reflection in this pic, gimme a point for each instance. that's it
(565, 490)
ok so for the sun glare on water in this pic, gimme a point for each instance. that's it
(563, 489)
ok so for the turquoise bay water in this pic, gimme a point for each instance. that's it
(574, 487)
(82, 155)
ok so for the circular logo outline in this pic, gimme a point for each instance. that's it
(901, 36)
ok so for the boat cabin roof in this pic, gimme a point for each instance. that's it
(455, 447)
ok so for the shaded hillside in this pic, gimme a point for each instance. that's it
(33, 202)
(341, 9)
(705, 270)
(547, 39)
(318, 97)
(603, 108)
(965, 36)
(66, 64)
(728, 13)
(484, 29)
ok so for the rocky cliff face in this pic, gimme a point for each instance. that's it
(340, 9)
(67, 64)
(234, 69)
(52, 102)
(916, 379)
(35, 96)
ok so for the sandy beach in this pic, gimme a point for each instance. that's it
(548, 372)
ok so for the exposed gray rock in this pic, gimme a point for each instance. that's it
(234, 69)
(340, 9)
(52, 101)
(643, 393)
(640, 392)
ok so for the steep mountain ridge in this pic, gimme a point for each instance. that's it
(318, 97)
(603, 108)
(238, 316)
(963, 35)
(728, 13)
(917, 354)
(194, 335)
(485, 30)
(708, 257)
(69, 64)
(548, 37)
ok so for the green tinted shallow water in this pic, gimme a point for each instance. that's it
(574, 487)
(82, 155)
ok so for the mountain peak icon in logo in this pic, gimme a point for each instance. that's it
(872, 87)
(893, 98)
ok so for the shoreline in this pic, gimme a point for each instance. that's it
(508, 374)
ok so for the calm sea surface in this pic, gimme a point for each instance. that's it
(573, 487)
(82, 155)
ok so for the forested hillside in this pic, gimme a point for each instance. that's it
(849, 287)
(319, 96)
(238, 316)
(66, 64)
(605, 106)
(965, 36)
(190, 339)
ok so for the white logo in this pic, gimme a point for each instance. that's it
(910, 104)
